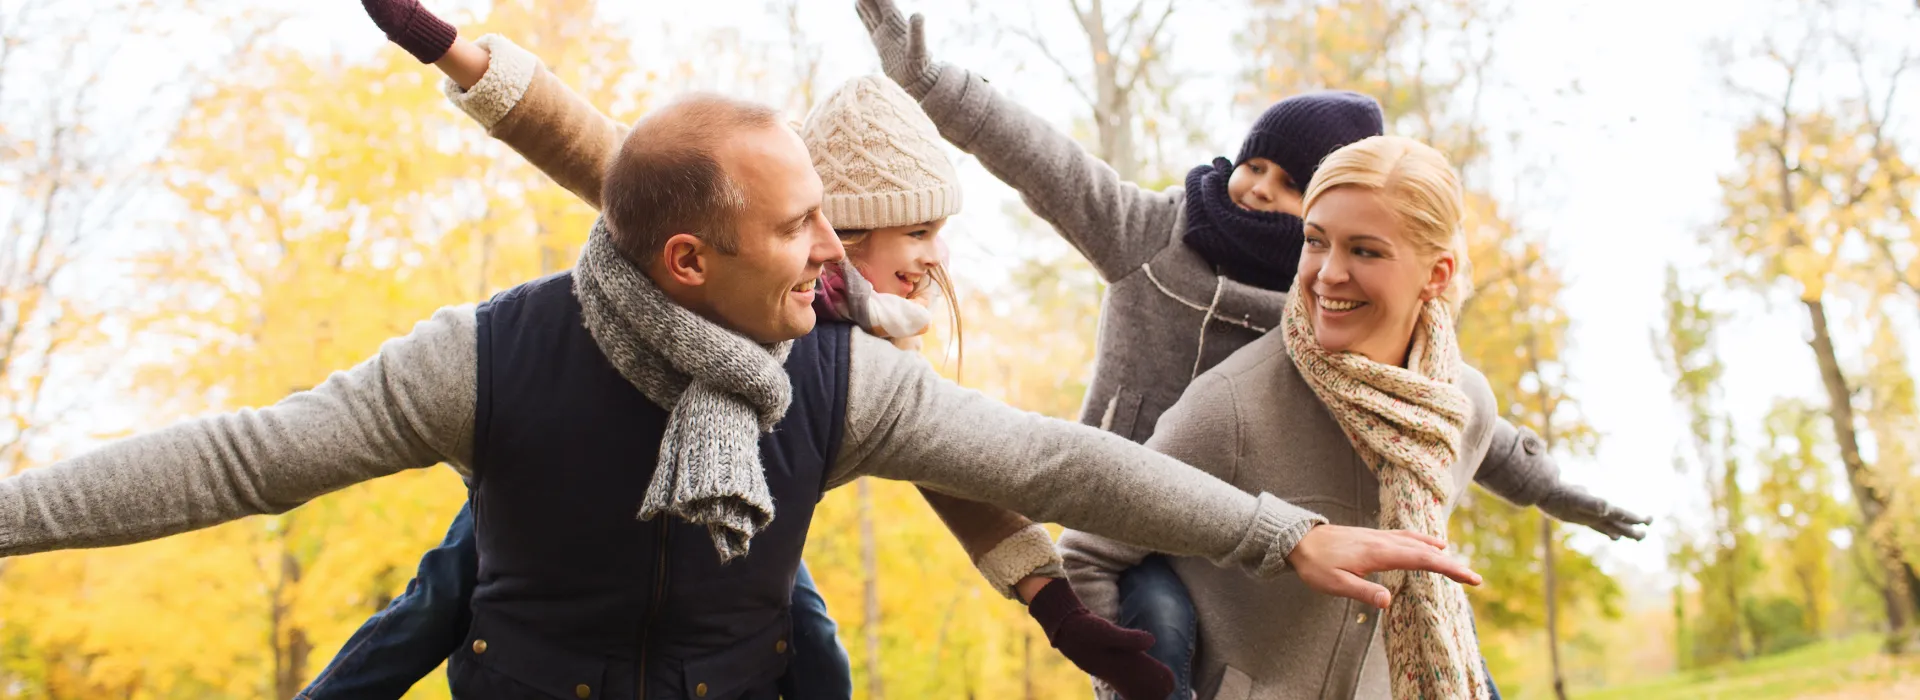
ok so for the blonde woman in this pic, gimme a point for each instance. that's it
(1358, 408)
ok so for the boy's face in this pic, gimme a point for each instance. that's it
(1261, 185)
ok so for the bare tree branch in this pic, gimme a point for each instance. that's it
(1141, 66)
(1047, 52)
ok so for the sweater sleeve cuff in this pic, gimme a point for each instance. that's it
(510, 70)
(1276, 529)
(1028, 552)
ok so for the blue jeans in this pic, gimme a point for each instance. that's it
(820, 668)
(1154, 599)
(404, 642)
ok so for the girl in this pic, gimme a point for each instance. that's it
(1374, 420)
(890, 190)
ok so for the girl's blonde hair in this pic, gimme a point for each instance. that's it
(1418, 185)
(854, 241)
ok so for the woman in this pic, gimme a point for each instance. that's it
(1360, 409)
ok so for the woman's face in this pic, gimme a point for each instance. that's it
(1260, 185)
(896, 259)
(1364, 278)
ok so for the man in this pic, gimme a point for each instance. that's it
(629, 428)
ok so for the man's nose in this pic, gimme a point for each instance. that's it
(826, 244)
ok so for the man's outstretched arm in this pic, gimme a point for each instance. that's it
(409, 406)
(906, 422)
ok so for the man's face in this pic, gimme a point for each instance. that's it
(765, 289)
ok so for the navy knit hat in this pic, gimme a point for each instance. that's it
(1298, 132)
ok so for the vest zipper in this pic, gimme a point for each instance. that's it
(653, 608)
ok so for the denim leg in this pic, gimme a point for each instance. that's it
(820, 668)
(1153, 599)
(403, 643)
(1493, 691)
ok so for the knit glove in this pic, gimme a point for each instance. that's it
(1574, 504)
(902, 45)
(412, 27)
(1104, 650)
(889, 316)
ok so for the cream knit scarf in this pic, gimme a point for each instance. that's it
(1406, 424)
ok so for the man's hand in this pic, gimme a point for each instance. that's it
(1335, 560)
(1109, 652)
(902, 45)
(1574, 505)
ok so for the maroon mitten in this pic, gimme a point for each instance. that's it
(1104, 650)
(412, 27)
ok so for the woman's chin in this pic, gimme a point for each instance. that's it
(1334, 340)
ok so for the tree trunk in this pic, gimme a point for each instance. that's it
(1894, 593)
(1549, 409)
(1026, 663)
(290, 645)
(870, 563)
(1899, 606)
(1112, 103)
(1745, 632)
(1553, 608)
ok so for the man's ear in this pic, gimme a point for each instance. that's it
(685, 259)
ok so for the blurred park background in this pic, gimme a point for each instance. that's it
(1693, 234)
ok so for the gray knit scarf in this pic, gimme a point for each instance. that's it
(724, 391)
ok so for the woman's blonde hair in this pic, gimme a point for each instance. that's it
(854, 240)
(1418, 185)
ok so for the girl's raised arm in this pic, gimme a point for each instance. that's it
(515, 98)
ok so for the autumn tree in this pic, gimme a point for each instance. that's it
(78, 146)
(1799, 517)
(1716, 552)
(1811, 181)
(317, 221)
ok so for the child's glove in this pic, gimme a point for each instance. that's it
(883, 315)
(1574, 504)
(412, 27)
(897, 317)
(1104, 650)
(902, 46)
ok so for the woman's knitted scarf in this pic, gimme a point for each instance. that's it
(1406, 423)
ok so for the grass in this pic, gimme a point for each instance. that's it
(1847, 668)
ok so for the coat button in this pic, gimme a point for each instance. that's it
(582, 691)
(780, 647)
(700, 691)
(479, 646)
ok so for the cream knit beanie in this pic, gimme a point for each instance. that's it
(880, 158)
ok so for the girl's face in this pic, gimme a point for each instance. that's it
(897, 259)
(1364, 278)
(1260, 185)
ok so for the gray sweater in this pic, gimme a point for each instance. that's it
(1167, 315)
(1254, 422)
(412, 405)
